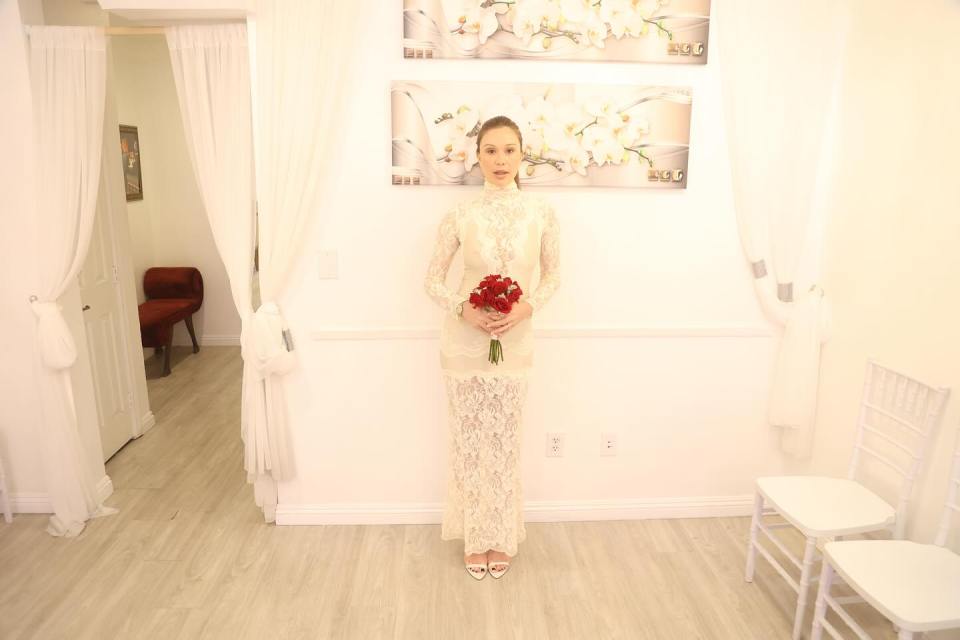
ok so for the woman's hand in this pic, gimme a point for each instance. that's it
(478, 317)
(504, 322)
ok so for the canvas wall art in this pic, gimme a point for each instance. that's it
(573, 134)
(662, 31)
(130, 153)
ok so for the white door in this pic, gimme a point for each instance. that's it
(103, 320)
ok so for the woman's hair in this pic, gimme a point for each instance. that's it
(497, 122)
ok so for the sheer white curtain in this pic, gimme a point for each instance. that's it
(780, 66)
(68, 76)
(302, 55)
(211, 69)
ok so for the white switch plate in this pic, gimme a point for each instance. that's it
(329, 270)
(554, 445)
(608, 444)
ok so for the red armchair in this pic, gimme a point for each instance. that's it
(173, 294)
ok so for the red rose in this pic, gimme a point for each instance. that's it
(496, 292)
(502, 305)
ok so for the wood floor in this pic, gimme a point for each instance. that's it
(188, 556)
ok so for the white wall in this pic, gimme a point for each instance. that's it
(664, 342)
(169, 226)
(892, 267)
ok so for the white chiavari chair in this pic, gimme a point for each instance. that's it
(916, 586)
(897, 418)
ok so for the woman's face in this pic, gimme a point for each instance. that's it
(500, 156)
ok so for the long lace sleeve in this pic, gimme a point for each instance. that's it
(549, 261)
(443, 251)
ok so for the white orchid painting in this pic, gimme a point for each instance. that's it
(575, 135)
(663, 31)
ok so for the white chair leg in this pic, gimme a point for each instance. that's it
(820, 610)
(807, 567)
(752, 547)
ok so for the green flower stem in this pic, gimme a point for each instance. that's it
(640, 153)
(549, 33)
(660, 26)
(558, 34)
(538, 160)
(496, 352)
(586, 127)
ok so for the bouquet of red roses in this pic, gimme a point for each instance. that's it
(496, 293)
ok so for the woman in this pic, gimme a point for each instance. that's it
(501, 231)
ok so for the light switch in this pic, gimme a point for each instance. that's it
(328, 265)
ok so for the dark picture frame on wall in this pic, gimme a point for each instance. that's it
(130, 155)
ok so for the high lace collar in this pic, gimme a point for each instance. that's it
(492, 191)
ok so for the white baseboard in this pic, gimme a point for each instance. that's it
(105, 488)
(553, 511)
(147, 422)
(30, 503)
(40, 502)
(210, 341)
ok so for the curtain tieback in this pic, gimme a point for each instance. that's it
(57, 347)
(265, 342)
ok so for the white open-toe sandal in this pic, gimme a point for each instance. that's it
(495, 572)
(478, 575)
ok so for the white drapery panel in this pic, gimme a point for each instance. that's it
(68, 83)
(301, 59)
(780, 64)
(211, 69)
(212, 75)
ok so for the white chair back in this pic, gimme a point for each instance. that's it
(898, 416)
(952, 505)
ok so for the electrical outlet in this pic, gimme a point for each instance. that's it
(608, 444)
(554, 445)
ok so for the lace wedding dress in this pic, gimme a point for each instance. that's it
(508, 232)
